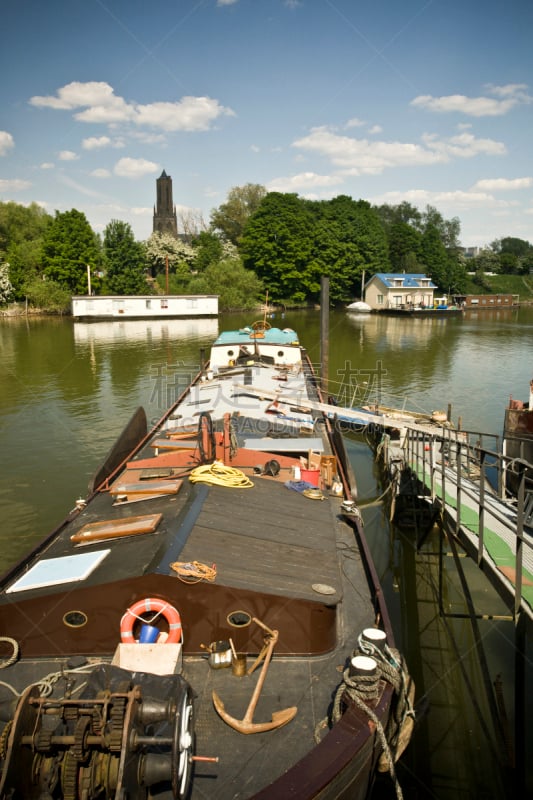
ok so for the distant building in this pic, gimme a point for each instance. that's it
(399, 290)
(165, 220)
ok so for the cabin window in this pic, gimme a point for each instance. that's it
(148, 304)
(164, 302)
(192, 302)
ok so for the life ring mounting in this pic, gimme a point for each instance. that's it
(157, 607)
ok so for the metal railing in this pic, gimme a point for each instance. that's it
(459, 466)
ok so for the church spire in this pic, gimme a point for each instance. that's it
(165, 211)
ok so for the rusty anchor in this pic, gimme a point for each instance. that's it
(279, 718)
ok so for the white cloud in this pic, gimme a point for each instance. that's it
(67, 155)
(355, 123)
(142, 212)
(502, 184)
(134, 167)
(362, 156)
(189, 114)
(506, 98)
(97, 142)
(100, 173)
(14, 185)
(47, 165)
(303, 182)
(6, 142)
(99, 104)
(375, 129)
(455, 200)
(79, 95)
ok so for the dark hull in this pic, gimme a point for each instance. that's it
(301, 567)
(422, 312)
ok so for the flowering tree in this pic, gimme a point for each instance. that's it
(6, 290)
(161, 246)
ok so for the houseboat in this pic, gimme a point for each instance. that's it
(208, 621)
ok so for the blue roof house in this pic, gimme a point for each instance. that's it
(387, 290)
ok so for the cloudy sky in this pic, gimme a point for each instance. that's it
(429, 101)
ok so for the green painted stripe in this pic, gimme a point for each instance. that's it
(500, 552)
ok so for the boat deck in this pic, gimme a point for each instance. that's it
(289, 560)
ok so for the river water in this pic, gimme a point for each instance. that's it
(68, 389)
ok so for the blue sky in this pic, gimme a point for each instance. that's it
(387, 100)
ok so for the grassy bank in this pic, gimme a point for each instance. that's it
(522, 285)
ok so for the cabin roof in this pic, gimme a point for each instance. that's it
(270, 336)
(411, 280)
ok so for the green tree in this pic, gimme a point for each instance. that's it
(21, 234)
(236, 287)
(232, 216)
(405, 247)
(277, 244)
(435, 258)
(124, 260)
(69, 245)
(208, 249)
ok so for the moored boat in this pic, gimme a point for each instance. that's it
(208, 621)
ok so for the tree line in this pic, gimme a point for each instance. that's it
(255, 241)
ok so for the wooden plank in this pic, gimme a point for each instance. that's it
(113, 528)
(146, 487)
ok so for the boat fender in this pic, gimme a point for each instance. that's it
(135, 611)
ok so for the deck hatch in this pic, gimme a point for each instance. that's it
(55, 571)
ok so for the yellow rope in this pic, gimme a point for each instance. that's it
(194, 571)
(220, 475)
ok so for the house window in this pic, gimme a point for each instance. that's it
(379, 299)
(397, 300)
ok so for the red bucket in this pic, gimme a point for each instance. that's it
(311, 476)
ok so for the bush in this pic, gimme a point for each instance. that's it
(48, 296)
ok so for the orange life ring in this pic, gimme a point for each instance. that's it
(151, 604)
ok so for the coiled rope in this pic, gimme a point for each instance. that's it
(194, 571)
(364, 689)
(218, 474)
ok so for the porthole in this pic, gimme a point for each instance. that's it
(239, 619)
(75, 619)
(231, 353)
(281, 353)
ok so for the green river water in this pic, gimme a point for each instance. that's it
(68, 389)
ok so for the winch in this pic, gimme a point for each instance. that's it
(115, 741)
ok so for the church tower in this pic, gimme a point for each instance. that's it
(165, 211)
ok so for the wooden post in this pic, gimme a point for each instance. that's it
(324, 334)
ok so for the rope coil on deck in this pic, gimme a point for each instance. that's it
(194, 571)
(218, 474)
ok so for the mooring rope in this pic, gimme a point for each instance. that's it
(364, 689)
(14, 655)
